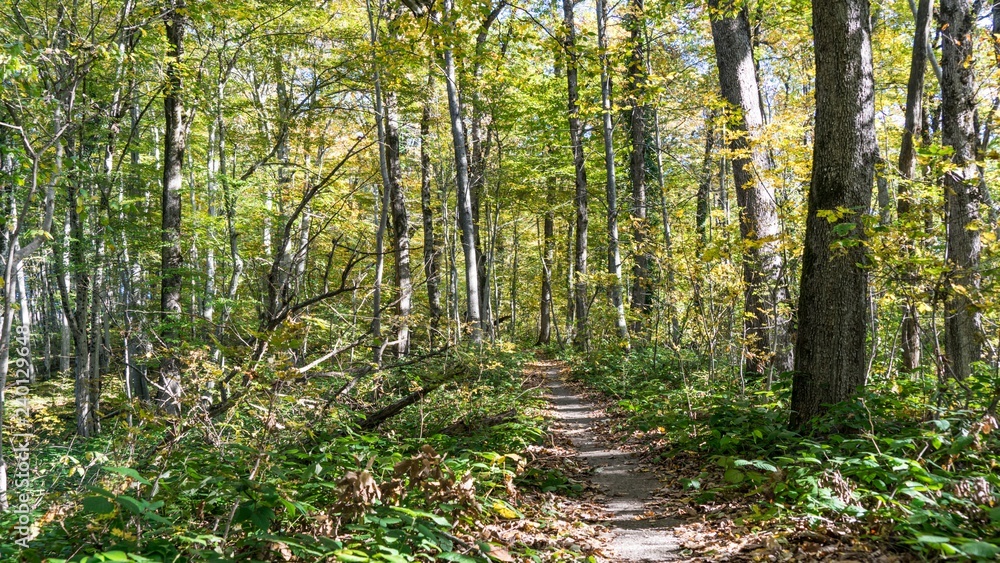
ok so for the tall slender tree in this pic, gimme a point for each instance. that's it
(465, 218)
(174, 143)
(433, 250)
(611, 187)
(913, 120)
(635, 22)
(580, 338)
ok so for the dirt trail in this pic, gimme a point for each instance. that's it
(617, 474)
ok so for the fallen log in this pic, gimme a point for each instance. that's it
(376, 418)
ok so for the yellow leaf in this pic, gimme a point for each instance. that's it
(504, 511)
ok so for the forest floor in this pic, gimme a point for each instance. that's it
(637, 510)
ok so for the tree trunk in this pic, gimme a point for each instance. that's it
(25, 318)
(611, 188)
(400, 227)
(480, 147)
(229, 202)
(830, 353)
(384, 195)
(432, 244)
(703, 213)
(910, 328)
(576, 141)
(570, 278)
(465, 219)
(451, 298)
(173, 162)
(962, 189)
(96, 328)
(763, 288)
(548, 262)
(636, 75)
(211, 187)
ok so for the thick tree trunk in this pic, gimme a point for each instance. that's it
(611, 188)
(432, 244)
(576, 141)
(962, 188)
(910, 328)
(830, 354)
(763, 288)
(174, 144)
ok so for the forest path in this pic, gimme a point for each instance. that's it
(637, 535)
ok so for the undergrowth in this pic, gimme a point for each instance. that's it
(289, 475)
(889, 465)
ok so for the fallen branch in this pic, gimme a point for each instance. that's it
(376, 418)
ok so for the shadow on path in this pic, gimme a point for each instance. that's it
(617, 474)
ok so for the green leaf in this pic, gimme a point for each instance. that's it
(262, 517)
(351, 558)
(128, 472)
(133, 505)
(932, 539)
(733, 476)
(980, 549)
(115, 556)
(98, 505)
(759, 464)
(995, 515)
(843, 229)
(452, 556)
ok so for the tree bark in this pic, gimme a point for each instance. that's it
(382, 214)
(763, 288)
(479, 144)
(462, 184)
(910, 328)
(611, 188)
(580, 338)
(432, 243)
(636, 77)
(548, 261)
(962, 188)
(830, 353)
(703, 212)
(24, 313)
(175, 141)
(400, 229)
